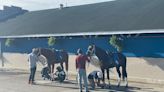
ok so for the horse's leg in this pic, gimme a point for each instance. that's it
(49, 67)
(124, 75)
(52, 68)
(66, 66)
(61, 64)
(103, 79)
(52, 71)
(119, 75)
(108, 77)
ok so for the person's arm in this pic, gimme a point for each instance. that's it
(88, 61)
(76, 63)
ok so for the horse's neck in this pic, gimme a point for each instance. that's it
(47, 52)
(43, 60)
(99, 52)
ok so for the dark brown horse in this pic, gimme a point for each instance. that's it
(54, 57)
(105, 60)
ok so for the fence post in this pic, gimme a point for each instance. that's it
(1, 54)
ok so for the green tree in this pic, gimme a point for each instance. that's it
(51, 41)
(116, 43)
(9, 42)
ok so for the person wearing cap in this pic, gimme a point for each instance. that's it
(32, 59)
(60, 74)
(94, 78)
(81, 60)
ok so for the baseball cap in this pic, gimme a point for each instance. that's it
(100, 75)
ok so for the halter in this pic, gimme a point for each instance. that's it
(39, 51)
(91, 50)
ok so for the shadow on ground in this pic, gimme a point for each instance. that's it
(73, 85)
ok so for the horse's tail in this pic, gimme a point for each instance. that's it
(124, 59)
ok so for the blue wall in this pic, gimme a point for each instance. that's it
(149, 45)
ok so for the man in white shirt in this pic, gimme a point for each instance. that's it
(32, 60)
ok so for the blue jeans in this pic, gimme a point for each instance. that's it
(82, 74)
(32, 73)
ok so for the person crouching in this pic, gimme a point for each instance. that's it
(94, 78)
(46, 73)
(60, 74)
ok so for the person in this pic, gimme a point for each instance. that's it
(32, 59)
(94, 78)
(81, 69)
(46, 73)
(60, 74)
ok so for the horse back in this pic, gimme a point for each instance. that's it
(60, 56)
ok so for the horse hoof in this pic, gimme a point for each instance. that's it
(109, 87)
(118, 86)
(102, 87)
(126, 86)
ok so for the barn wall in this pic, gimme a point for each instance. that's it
(142, 46)
(145, 62)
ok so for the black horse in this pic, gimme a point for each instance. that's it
(53, 57)
(106, 60)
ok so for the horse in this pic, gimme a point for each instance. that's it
(106, 60)
(54, 57)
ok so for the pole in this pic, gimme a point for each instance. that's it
(66, 4)
(1, 54)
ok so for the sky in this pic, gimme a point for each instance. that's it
(33, 5)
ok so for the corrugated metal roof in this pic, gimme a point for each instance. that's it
(114, 17)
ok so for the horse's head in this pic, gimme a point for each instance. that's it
(91, 50)
(91, 53)
(36, 51)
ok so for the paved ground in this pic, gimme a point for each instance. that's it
(16, 81)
